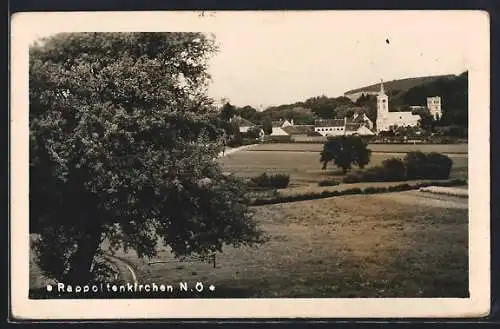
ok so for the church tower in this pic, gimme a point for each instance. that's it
(434, 106)
(382, 109)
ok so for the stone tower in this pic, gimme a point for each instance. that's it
(382, 109)
(434, 106)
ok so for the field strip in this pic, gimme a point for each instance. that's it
(445, 191)
(236, 149)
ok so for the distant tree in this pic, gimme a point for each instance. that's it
(122, 147)
(326, 107)
(345, 151)
(249, 113)
(427, 122)
(227, 112)
(454, 97)
(268, 126)
(369, 103)
(252, 133)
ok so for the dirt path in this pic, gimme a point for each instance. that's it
(125, 270)
(236, 149)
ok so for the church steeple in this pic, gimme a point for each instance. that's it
(382, 92)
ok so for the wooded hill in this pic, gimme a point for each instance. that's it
(401, 85)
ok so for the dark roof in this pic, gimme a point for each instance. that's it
(242, 122)
(352, 126)
(298, 129)
(358, 119)
(329, 123)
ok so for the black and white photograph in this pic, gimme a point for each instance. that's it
(259, 164)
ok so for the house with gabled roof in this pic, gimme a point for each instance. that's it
(356, 125)
(244, 124)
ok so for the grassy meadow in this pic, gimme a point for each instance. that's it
(301, 161)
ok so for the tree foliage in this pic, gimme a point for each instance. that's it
(227, 112)
(267, 126)
(427, 122)
(454, 97)
(345, 151)
(249, 113)
(122, 148)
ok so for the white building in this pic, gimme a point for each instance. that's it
(330, 127)
(242, 123)
(386, 119)
(434, 106)
(362, 118)
(339, 127)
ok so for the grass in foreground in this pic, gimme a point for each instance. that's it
(408, 244)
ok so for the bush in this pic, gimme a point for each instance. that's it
(433, 165)
(372, 190)
(328, 183)
(438, 166)
(374, 174)
(248, 141)
(353, 178)
(394, 169)
(400, 187)
(415, 165)
(355, 190)
(274, 181)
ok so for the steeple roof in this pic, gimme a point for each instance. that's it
(382, 87)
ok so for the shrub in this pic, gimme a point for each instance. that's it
(248, 141)
(394, 169)
(438, 166)
(433, 165)
(374, 174)
(353, 178)
(415, 165)
(328, 183)
(400, 187)
(274, 181)
(372, 190)
(355, 190)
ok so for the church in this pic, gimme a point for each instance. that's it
(386, 119)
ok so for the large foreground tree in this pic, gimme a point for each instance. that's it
(122, 148)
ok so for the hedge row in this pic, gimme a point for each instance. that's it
(270, 181)
(367, 190)
(328, 183)
(415, 165)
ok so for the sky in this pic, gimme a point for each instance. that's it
(272, 58)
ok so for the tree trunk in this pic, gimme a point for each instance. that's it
(81, 260)
(88, 244)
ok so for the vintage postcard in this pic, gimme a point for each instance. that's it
(272, 164)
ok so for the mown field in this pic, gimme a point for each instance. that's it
(301, 161)
(406, 244)
(386, 148)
